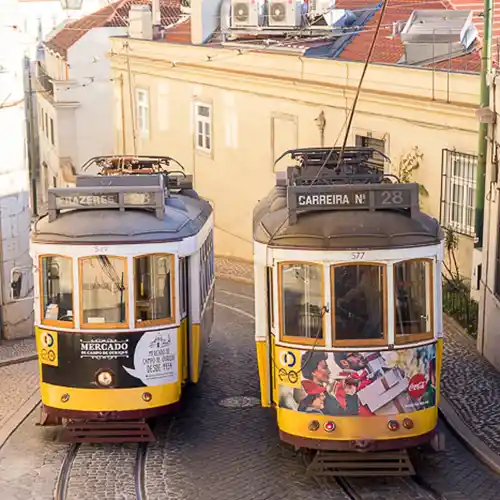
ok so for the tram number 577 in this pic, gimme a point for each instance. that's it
(357, 255)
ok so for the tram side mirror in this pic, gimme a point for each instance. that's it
(19, 281)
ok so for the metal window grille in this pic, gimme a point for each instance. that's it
(458, 191)
(363, 141)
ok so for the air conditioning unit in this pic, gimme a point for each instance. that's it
(285, 13)
(246, 13)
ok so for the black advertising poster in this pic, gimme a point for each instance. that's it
(139, 359)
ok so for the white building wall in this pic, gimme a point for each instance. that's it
(15, 218)
(81, 108)
(94, 126)
(47, 14)
(488, 337)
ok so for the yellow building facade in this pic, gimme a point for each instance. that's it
(226, 113)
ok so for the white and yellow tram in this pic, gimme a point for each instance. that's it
(348, 305)
(124, 293)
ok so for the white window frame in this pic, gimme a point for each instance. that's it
(142, 110)
(464, 186)
(205, 122)
(360, 137)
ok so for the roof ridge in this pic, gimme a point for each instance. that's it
(119, 4)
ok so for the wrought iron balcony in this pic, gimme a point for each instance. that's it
(44, 79)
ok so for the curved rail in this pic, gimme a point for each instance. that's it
(140, 472)
(64, 474)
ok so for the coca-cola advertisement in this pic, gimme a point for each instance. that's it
(353, 383)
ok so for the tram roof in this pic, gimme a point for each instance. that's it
(122, 210)
(324, 203)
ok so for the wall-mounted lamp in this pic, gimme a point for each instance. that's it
(321, 124)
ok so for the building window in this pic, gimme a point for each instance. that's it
(104, 292)
(52, 132)
(57, 290)
(46, 125)
(54, 181)
(154, 285)
(143, 112)
(301, 304)
(203, 122)
(413, 300)
(42, 123)
(458, 197)
(363, 141)
(358, 292)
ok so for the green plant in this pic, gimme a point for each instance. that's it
(408, 163)
(457, 301)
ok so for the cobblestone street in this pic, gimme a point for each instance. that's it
(212, 449)
(19, 383)
(471, 385)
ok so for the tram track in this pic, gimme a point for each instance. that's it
(352, 492)
(62, 482)
(139, 472)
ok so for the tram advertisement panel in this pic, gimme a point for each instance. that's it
(345, 383)
(134, 359)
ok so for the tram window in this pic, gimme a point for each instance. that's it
(302, 302)
(413, 300)
(183, 285)
(270, 294)
(57, 289)
(104, 291)
(153, 289)
(358, 292)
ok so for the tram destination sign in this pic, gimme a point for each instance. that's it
(112, 200)
(375, 197)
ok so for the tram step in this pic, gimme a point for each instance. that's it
(125, 431)
(338, 463)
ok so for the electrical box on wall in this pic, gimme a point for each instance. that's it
(476, 274)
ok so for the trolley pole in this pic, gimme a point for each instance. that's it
(484, 102)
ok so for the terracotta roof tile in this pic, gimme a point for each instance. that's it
(477, 7)
(113, 15)
(469, 62)
(388, 49)
(179, 33)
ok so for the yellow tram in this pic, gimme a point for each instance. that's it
(124, 284)
(348, 305)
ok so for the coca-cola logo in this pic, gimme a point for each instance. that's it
(417, 385)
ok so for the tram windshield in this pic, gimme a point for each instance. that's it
(302, 301)
(413, 301)
(57, 289)
(359, 301)
(104, 291)
(153, 288)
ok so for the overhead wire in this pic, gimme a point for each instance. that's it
(348, 122)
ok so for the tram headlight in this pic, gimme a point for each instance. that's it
(329, 426)
(393, 425)
(146, 396)
(313, 425)
(65, 397)
(105, 378)
(408, 423)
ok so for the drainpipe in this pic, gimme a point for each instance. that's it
(483, 127)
